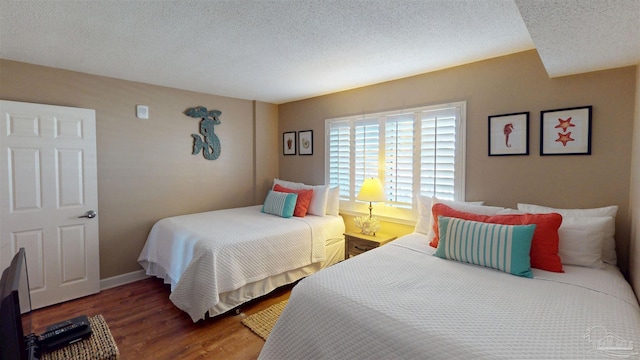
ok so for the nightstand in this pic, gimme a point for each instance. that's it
(356, 243)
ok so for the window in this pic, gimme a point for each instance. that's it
(412, 151)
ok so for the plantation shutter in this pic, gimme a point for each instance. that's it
(412, 151)
(398, 171)
(438, 153)
(340, 157)
(367, 150)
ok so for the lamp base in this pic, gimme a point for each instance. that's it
(368, 225)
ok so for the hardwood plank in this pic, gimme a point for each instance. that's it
(146, 325)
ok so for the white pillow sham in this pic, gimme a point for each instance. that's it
(287, 184)
(581, 241)
(333, 201)
(318, 205)
(424, 224)
(608, 240)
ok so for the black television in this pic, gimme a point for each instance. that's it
(17, 342)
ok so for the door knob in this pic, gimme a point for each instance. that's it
(89, 214)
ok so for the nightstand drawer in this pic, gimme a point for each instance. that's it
(358, 246)
(356, 243)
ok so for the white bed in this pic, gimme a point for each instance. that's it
(401, 302)
(217, 260)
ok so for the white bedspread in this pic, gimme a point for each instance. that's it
(400, 302)
(203, 255)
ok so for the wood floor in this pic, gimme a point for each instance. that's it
(146, 325)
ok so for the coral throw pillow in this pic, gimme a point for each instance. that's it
(304, 199)
(544, 246)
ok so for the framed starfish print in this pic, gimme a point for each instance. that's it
(566, 131)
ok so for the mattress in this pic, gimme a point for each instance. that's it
(233, 299)
(207, 254)
(399, 301)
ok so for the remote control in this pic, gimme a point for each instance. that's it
(59, 325)
(64, 333)
(56, 326)
(59, 331)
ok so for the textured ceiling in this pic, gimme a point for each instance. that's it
(576, 36)
(279, 51)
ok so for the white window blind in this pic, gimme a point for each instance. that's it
(438, 153)
(339, 156)
(412, 151)
(398, 169)
(366, 151)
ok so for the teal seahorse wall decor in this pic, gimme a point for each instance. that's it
(209, 142)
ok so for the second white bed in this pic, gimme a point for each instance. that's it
(217, 260)
(401, 302)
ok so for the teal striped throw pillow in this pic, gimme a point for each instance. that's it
(502, 247)
(279, 203)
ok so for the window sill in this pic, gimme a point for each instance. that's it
(385, 218)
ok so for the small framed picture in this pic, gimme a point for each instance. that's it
(305, 142)
(509, 134)
(566, 131)
(289, 143)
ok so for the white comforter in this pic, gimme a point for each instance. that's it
(400, 302)
(203, 255)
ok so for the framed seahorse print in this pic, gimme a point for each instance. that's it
(566, 131)
(509, 134)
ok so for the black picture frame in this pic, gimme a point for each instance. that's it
(509, 134)
(305, 142)
(289, 143)
(566, 131)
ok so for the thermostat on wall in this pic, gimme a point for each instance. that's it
(142, 111)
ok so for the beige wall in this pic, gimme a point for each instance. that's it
(146, 170)
(145, 167)
(266, 148)
(634, 213)
(507, 84)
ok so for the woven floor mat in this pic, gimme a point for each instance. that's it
(100, 346)
(263, 321)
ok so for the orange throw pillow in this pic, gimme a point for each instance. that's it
(304, 199)
(544, 246)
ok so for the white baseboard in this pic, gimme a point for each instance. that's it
(118, 280)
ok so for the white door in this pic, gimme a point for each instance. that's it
(47, 181)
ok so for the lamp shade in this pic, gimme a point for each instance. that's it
(371, 190)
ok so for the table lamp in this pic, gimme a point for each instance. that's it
(371, 191)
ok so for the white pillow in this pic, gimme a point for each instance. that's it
(425, 216)
(333, 201)
(423, 225)
(288, 184)
(581, 240)
(608, 241)
(318, 205)
(507, 211)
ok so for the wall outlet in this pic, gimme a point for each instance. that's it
(142, 111)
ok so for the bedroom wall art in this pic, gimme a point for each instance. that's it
(305, 142)
(566, 131)
(289, 143)
(509, 134)
(209, 143)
